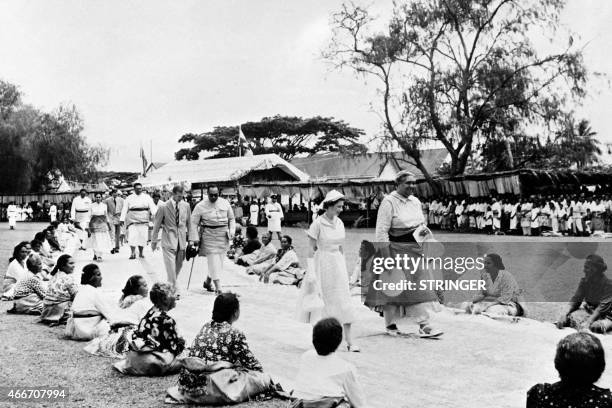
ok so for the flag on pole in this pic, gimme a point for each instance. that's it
(243, 140)
(144, 161)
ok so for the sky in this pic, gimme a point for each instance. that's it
(146, 72)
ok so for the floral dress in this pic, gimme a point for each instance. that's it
(217, 342)
(558, 395)
(157, 331)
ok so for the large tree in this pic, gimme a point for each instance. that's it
(33, 143)
(286, 136)
(460, 73)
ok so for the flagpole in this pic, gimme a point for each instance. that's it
(239, 143)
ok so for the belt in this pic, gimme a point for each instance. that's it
(82, 211)
(86, 314)
(407, 236)
(138, 209)
(214, 226)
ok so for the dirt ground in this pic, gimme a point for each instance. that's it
(478, 362)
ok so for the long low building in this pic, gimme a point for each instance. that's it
(226, 172)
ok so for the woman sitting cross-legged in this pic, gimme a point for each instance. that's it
(324, 379)
(30, 292)
(251, 244)
(594, 294)
(264, 254)
(134, 305)
(91, 313)
(220, 368)
(501, 294)
(285, 270)
(16, 270)
(155, 344)
(60, 293)
(580, 362)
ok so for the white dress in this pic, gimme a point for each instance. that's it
(89, 301)
(330, 268)
(99, 240)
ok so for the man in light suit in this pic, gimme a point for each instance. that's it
(173, 217)
(114, 203)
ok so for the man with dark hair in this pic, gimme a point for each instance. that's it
(114, 203)
(323, 377)
(173, 217)
(80, 213)
(216, 219)
(137, 211)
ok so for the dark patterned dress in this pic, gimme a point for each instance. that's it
(217, 342)
(558, 395)
(157, 331)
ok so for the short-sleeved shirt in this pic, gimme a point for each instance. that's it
(28, 286)
(217, 342)
(328, 376)
(595, 292)
(157, 331)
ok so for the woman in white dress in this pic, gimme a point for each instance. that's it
(326, 235)
(99, 226)
(17, 269)
(92, 314)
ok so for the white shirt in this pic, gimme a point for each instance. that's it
(397, 211)
(328, 376)
(141, 200)
(81, 207)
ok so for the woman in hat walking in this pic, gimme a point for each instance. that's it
(326, 260)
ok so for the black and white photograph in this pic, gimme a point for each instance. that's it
(318, 204)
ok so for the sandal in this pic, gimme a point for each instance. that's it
(132, 256)
(353, 348)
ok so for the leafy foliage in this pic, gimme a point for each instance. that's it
(32, 143)
(462, 73)
(286, 136)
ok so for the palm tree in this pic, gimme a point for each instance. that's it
(577, 144)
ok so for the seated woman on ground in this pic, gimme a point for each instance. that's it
(155, 344)
(30, 292)
(286, 268)
(134, 304)
(47, 263)
(594, 294)
(60, 293)
(16, 270)
(323, 377)
(218, 345)
(52, 245)
(580, 361)
(501, 294)
(237, 243)
(91, 313)
(251, 244)
(67, 236)
(265, 253)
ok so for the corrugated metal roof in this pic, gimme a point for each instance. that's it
(217, 170)
(368, 166)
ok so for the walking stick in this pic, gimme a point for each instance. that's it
(190, 272)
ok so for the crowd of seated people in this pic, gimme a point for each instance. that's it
(137, 330)
(549, 215)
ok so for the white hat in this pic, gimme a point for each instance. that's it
(333, 195)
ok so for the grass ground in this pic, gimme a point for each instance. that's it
(478, 356)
